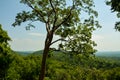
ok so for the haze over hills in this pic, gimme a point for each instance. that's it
(24, 52)
(108, 53)
(99, 53)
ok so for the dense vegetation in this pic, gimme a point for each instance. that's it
(62, 66)
(5, 53)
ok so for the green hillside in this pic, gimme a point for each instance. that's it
(109, 54)
(24, 53)
(38, 52)
(63, 67)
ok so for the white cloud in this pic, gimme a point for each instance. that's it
(36, 34)
(30, 44)
(26, 44)
(97, 37)
(107, 42)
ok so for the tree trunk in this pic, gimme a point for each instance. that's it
(45, 54)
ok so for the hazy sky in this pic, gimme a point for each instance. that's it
(106, 38)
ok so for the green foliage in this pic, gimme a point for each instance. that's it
(115, 7)
(80, 67)
(4, 38)
(24, 68)
(79, 40)
(5, 53)
(63, 67)
(115, 4)
(117, 26)
(43, 9)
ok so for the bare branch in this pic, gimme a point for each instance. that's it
(55, 18)
(48, 28)
(39, 12)
(52, 6)
(61, 39)
(69, 38)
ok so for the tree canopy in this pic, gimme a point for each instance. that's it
(115, 7)
(4, 45)
(4, 52)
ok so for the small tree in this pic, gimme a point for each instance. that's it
(115, 7)
(59, 17)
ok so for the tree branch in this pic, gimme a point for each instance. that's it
(58, 40)
(39, 12)
(66, 18)
(52, 6)
(48, 28)
(55, 18)
(69, 38)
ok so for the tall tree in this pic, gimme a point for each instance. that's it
(59, 17)
(115, 7)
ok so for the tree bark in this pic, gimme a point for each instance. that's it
(45, 54)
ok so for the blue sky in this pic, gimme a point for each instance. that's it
(106, 38)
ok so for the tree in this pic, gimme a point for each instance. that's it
(115, 7)
(5, 50)
(59, 17)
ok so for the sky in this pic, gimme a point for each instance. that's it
(107, 38)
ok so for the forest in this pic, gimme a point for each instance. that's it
(74, 59)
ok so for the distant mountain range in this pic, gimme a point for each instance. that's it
(38, 52)
(101, 53)
(24, 52)
(108, 53)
